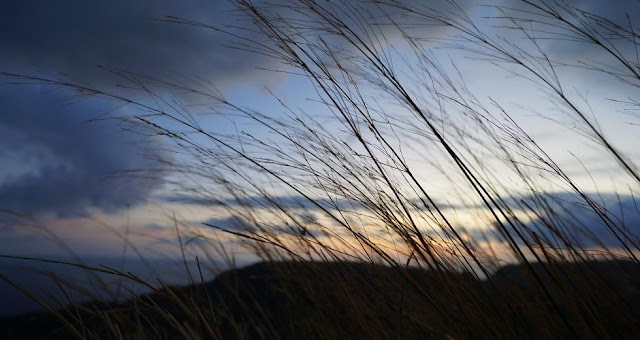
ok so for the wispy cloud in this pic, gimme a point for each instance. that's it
(285, 201)
(565, 216)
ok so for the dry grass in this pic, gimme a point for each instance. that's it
(383, 100)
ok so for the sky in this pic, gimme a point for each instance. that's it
(62, 174)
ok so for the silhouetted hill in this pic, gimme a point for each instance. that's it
(357, 300)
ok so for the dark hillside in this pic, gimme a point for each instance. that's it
(356, 300)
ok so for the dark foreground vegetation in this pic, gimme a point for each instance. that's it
(299, 300)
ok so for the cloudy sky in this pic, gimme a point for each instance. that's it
(60, 170)
(57, 164)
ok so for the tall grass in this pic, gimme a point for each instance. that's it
(378, 167)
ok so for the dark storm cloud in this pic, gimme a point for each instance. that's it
(7, 229)
(75, 35)
(53, 162)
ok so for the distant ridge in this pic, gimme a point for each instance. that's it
(297, 299)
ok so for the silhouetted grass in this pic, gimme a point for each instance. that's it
(367, 246)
